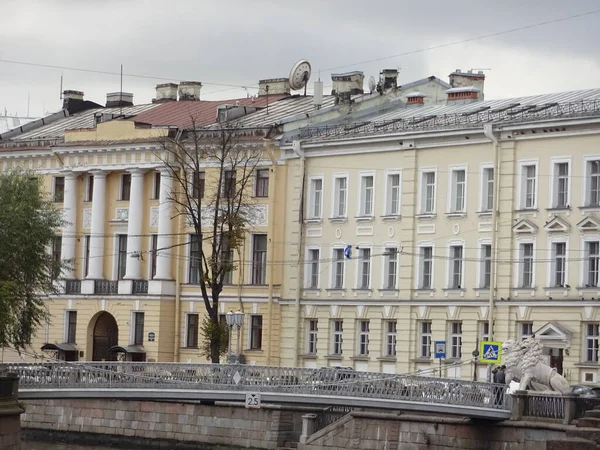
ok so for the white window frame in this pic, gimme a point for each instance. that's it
(521, 324)
(422, 190)
(421, 335)
(89, 179)
(189, 256)
(134, 326)
(361, 194)
(455, 350)
(333, 267)
(359, 267)
(518, 269)
(484, 335)
(363, 328)
(453, 189)
(387, 210)
(311, 198)
(312, 335)
(595, 344)
(335, 196)
(584, 263)
(390, 338)
(335, 333)
(551, 260)
(450, 271)
(115, 256)
(418, 263)
(485, 186)
(309, 267)
(386, 260)
(481, 263)
(66, 325)
(585, 186)
(523, 164)
(554, 162)
(121, 177)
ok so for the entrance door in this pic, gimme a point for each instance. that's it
(556, 359)
(106, 335)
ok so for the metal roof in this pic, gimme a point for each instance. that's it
(9, 122)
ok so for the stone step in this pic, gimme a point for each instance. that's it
(592, 413)
(593, 434)
(571, 444)
(588, 422)
(290, 444)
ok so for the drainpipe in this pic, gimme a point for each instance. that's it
(270, 246)
(297, 148)
(488, 130)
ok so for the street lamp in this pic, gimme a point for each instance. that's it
(234, 319)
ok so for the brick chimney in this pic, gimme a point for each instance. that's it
(117, 99)
(460, 79)
(389, 78)
(71, 97)
(273, 86)
(345, 85)
(415, 99)
(189, 90)
(166, 92)
(462, 95)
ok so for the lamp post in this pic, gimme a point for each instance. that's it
(234, 319)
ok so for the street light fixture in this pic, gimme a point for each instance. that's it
(234, 319)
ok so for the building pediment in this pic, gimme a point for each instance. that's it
(555, 332)
(556, 224)
(589, 224)
(525, 226)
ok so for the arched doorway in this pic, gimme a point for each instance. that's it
(105, 335)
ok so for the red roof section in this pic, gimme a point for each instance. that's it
(183, 114)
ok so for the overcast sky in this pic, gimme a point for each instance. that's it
(238, 42)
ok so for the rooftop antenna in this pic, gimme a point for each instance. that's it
(299, 75)
(372, 84)
(61, 86)
(473, 70)
(28, 98)
(121, 93)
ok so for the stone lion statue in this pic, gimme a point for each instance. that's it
(524, 363)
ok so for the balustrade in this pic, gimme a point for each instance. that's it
(106, 287)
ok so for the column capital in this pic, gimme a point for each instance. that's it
(69, 174)
(136, 171)
(99, 173)
(164, 170)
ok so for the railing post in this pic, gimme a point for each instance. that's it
(308, 427)
(570, 408)
(518, 406)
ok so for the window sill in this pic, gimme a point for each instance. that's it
(360, 358)
(336, 290)
(423, 290)
(391, 218)
(254, 350)
(449, 361)
(558, 288)
(364, 219)
(388, 290)
(484, 213)
(189, 348)
(309, 356)
(558, 209)
(338, 219)
(334, 357)
(590, 208)
(456, 215)
(259, 196)
(482, 289)
(426, 216)
(588, 288)
(362, 290)
(525, 289)
(387, 359)
(316, 220)
(311, 291)
(591, 365)
(455, 290)
(527, 210)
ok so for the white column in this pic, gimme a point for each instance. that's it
(96, 265)
(165, 239)
(133, 267)
(69, 240)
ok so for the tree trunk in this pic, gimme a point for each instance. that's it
(215, 353)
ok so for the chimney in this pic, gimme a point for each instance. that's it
(117, 99)
(273, 86)
(345, 85)
(389, 78)
(166, 92)
(415, 99)
(462, 95)
(465, 79)
(189, 90)
(72, 97)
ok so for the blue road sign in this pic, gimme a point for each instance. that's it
(491, 352)
(440, 349)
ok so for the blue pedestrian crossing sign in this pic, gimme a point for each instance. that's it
(440, 349)
(490, 352)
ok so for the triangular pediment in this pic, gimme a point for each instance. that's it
(524, 226)
(553, 331)
(589, 224)
(557, 224)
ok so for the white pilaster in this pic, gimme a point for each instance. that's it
(69, 240)
(133, 268)
(96, 264)
(165, 239)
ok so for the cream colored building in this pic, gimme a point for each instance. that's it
(437, 212)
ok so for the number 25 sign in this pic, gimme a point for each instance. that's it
(253, 400)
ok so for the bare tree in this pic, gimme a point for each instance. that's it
(213, 171)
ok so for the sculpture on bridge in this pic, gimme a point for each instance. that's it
(524, 363)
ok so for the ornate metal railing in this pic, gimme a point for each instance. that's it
(325, 381)
(544, 406)
(330, 415)
(106, 287)
(139, 287)
(72, 286)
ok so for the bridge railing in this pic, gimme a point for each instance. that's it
(547, 406)
(324, 381)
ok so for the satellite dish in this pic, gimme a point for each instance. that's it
(299, 75)
(372, 84)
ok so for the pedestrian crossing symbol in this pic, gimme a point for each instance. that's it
(490, 352)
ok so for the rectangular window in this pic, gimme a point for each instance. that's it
(366, 195)
(592, 335)
(315, 206)
(561, 185)
(426, 268)
(229, 184)
(488, 189)
(122, 256)
(593, 185)
(529, 182)
(259, 259)
(125, 187)
(428, 193)
(313, 268)
(198, 182)
(456, 339)
(86, 257)
(365, 268)
(459, 183)
(340, 197)
(392, 207)
(484, 331)
(559, 264)
(526, 275)
(390, 338)
(337, 330)
(592, 260)
(262, 183)
(425, 339)
(56, 256)
(71, 327)
(89, 188)
(156, 193)
(486, 266)
(391, 268)
(525, 330)
(227, 261)
(59, 189)
(338, 268)
(153, 254)
(138, 333)
(456, 267)
(256, 325)
(363, 338)
(195, 262)
(312, 329)
(191, 334)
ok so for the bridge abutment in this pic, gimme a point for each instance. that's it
(10, 413)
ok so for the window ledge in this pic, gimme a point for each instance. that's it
(334, 357)
(527, 210)
(364, 219)
(315, 220)
(558, 288)
(387, 359)
(362, 290)
(559, 209)
(484, 213)
(195, 347)
(336, 290)
(391, 217)
(590, 208)
(426, 216)
(388, 290)
(525, 289)
(254, 350)
(423, 290)
(481, 289)
(360, 358)
(590, 364)
(311, 290)
(454, 290)
(588, 288)
(456, 215)
(339, 219)
(309, 356)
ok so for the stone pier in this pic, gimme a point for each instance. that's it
(10, 413)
